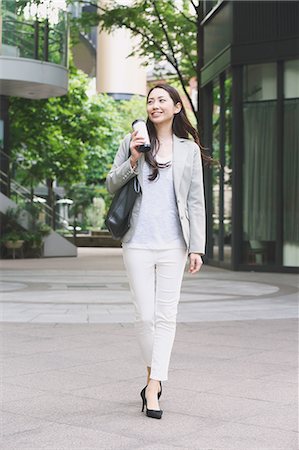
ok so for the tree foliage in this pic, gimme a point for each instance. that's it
(70, 139)
(164, 31)
(110, 120)
(49, 136)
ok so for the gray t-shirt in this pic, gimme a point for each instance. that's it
(158, 225)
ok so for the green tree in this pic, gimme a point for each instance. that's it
(109, 121)
(165, 31)
(114, 120)
(132, 109)
(50, 136)
(71, 139)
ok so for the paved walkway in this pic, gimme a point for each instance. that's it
(72, 371)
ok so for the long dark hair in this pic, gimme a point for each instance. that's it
(181, 127)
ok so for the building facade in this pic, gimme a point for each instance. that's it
(33, 65)
(250, 89)
(33, 61)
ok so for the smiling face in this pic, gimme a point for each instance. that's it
(160, 107)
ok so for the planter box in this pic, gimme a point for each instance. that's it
(96, 239)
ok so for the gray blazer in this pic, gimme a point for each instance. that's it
(188, 186)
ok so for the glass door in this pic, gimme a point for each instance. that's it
(221, 171)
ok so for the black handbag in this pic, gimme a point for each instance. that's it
(120, 211)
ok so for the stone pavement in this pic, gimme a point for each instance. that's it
(72, 372)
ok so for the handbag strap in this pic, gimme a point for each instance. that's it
(136, 184)
(137, 187)
(129, 150)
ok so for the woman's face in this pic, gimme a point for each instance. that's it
(160, 107)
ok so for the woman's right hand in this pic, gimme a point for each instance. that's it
(136, 141)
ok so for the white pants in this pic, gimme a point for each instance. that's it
(155, 278)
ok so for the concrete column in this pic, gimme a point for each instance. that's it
(117, 74)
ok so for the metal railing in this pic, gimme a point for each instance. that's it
(21, 194)
(35, 39)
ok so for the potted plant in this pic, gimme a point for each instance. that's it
(12, 234)
(14, 237)
(13, 240)
(34, 239)
(36, 231)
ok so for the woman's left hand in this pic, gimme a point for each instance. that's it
(195, 262)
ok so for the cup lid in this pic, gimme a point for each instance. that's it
(137, 120)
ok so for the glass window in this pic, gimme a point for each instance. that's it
(35, 33)
(222, 171)
(259, 165)
(216, 168)
(227, 192)
(291, 165)
(260, 82)
(291, 79)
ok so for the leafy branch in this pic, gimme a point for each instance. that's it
(165, 31)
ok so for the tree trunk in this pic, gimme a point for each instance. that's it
(51, 202)
(31, 192)
(5, 151)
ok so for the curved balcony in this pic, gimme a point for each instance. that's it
(33, 54)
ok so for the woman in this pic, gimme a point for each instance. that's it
(167, 225)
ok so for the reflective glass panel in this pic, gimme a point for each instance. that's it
(259, 165)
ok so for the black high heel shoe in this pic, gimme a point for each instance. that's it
(159, 393)
(154, 413)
